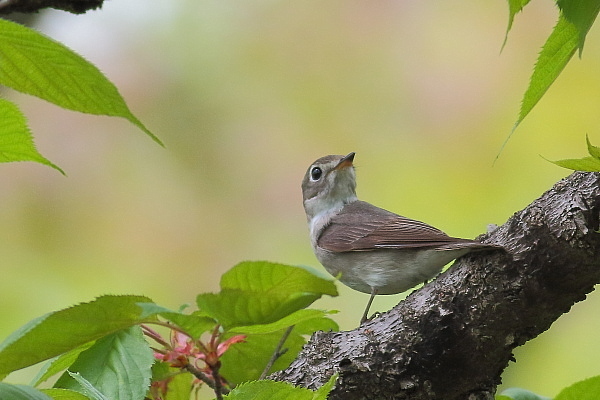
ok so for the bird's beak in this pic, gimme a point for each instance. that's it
(346, 161)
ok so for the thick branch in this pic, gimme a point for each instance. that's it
(453, 338)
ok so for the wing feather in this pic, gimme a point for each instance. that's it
(363, 227)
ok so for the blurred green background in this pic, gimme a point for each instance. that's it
(246, 95)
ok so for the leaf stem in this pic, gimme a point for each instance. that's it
(277, 353)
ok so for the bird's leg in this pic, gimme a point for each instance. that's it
(365, 316)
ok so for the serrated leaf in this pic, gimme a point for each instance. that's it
(520, 394)
(575, 20)
(582, 14)
(87, 387)
(593, 150)
(34, 64)
(556, 53)
(588, 389)
(514, 7)
(59, 364)
(58, 332)
(118, 365)
(21, 392)
(589, 164)
(193, 324)
(262, 292)
(272, 390)
(296, 317)
(64, 394)
(16, 142)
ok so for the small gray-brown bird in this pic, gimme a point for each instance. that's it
(368, 248)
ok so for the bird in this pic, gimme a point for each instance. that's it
(367, 248)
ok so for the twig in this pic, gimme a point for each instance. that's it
(219, 389)
(277, 353)
(199, 374)
(212, 383)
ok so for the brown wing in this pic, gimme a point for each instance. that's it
(363, 227)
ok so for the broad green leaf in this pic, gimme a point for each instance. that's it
(59, 364)
(589, 164)
(118, 365)
(58, 332)
(64, 394)
(514, 7)
(296, 317)
(588, 389)
(35, 64)
(21, 392)
(582, 14)
(593, 150)
(262, 292)
(88, 388)
(519, 394)
(246, 361)
(193, 324)
(179, 385)
(272, 390)
(16, 142)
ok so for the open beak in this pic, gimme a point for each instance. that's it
(346, 161)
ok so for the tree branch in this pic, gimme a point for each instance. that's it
(453, 338)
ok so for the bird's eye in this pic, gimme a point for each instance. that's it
(315, 173)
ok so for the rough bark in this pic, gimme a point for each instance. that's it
(453, 338)
(31, 6)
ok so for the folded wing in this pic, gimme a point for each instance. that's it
(363, 227)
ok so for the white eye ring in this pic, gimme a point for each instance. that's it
(315, 174)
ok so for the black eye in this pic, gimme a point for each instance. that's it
(315, 173)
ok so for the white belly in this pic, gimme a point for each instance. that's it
(388, 271)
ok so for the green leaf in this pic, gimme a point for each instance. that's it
(514, 7)
(88, 388)
(296, 317)
(262, 292)
(64, 394)
(272, 390)
(556, 53)
(593, 150)
(59, 364)
(588, 389)
(575, 20)
(16, 142)
(193, 324)
(582, 14)
(519, 394)
(35, 64)
(246, 361)
(118, 365)
(589, 164)
(21, 392)
(179, 385)
(323, 392)
(61, 331)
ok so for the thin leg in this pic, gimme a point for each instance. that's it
(365, 316)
